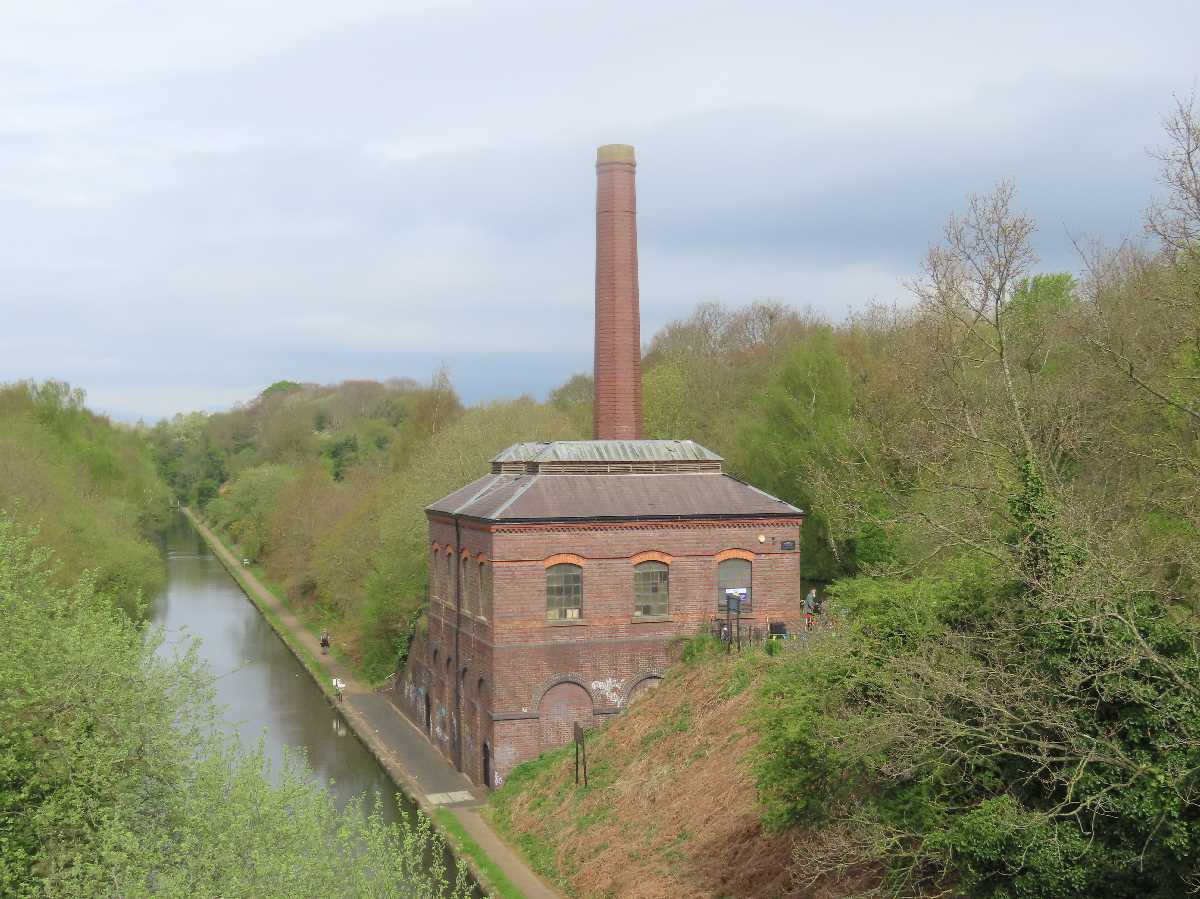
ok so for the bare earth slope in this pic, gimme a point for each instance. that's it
(671, 810)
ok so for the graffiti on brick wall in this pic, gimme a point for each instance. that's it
(609, 688)
(413, 694)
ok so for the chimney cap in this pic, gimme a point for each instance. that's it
(620, 153)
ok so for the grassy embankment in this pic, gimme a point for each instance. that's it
(671, 808)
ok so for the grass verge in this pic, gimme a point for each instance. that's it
(539, 853)
(498, 883)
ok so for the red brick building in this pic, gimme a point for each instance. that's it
(558, 581)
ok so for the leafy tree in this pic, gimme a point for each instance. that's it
(795, 428)
(90, 486)
(112, 782)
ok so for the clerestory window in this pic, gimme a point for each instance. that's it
(564, 592)
(651, 582)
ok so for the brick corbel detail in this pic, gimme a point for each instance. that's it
(735, 554)
(652, 555)
(564, 558)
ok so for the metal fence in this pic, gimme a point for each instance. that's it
(735, 633)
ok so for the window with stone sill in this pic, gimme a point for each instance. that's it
(564, 592)
(651, 584)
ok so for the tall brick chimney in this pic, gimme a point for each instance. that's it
(617, 411)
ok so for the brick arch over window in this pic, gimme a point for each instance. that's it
(435, 569)
(564, 592)
(735, 554)
(484, 598)
(735, 584)
(564, 559)
(651, 589)
(652, 555)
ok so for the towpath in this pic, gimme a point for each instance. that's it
(411, 761)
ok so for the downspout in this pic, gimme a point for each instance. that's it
(458, 570)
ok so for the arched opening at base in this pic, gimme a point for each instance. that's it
(487, 766)
(428, 714)
(562, 707)
(642, 687)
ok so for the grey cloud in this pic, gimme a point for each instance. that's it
(372, 192)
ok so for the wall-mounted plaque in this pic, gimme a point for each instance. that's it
(788, 545)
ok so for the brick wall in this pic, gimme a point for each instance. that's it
(618, 351)
(539, 676)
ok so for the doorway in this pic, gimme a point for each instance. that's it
(428, 715)
(487, 766)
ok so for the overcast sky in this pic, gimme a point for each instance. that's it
(200, 198)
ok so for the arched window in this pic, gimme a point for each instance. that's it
(564, 592)
(733, 585)
(435, 589)
(479, 590)
(650, 586)
(448, 595)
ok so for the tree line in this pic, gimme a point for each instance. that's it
(1012, 707)
(115, 780)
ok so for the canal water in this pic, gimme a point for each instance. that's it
(262, 689)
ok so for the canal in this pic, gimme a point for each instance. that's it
(262, 689)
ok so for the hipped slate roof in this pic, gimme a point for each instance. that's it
(573, 480)
(568, 497)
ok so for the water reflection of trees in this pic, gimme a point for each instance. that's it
(263, 690)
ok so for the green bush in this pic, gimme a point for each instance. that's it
(939, 720)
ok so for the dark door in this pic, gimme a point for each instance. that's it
(428, 714)
(487, 766)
